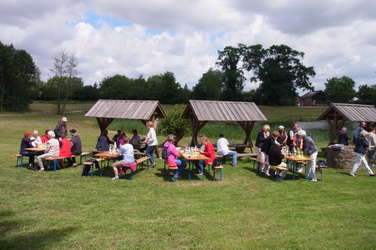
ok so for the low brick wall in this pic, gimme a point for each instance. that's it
(341, 158)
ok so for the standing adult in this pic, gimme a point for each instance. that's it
(126, 151)
(342, 137)
(61, 128)
(361, 145)
(307, 145)
(358, 130)
(52, 149)
(282, 138)
(372, 146)
(222, 148)
(104, 142)
(76, 147)
(291, 137)
(173, 154)
(26, 142)
(151, 142)
(261, 137)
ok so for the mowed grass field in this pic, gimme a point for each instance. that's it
(246, 210)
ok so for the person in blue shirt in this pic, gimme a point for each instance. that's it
(128, 158)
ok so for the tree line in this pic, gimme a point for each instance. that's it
(278, 70)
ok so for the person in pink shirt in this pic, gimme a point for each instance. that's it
(173, 154)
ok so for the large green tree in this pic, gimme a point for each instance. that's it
(209, 86)
(340, 89)
(279, 71)
(18, 75)
(233, 76)
(367, 94)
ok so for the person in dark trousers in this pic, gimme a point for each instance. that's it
(76, 147)
(361, 146)
(342, 137)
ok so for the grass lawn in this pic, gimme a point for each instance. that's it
(245, 211)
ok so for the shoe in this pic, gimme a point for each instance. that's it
(30, 167)
(153, 165)
(267, 174)
(373, 174)
(179, 177)
(300, 170)
(199, 174)
(41, 170)
(351, 174)
(115, 178)
(314, 180)
(74, 165)
(234, 165)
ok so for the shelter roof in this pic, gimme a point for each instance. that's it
(126, 109)
(350, 112)
(223, 111)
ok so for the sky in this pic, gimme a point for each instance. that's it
(134, 38)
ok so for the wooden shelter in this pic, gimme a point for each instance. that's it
(338, 113)
(107, 110)
(201, 112)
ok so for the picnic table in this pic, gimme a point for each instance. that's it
(196, 157)
(295, 160)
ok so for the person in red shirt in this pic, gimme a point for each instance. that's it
(45, 136)
(65, 149)
(209, 152)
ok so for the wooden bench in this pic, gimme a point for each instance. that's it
(173, 168)
(279, 169)
(54, 159)
(83, 155)
(19, 158)
(257, 160)
(321, 169)
(141, 161)
(91, 164)
(239, 155)
(137, 162)
(215, 170)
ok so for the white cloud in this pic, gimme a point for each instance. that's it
(146, 38)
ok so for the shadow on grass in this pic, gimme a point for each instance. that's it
(14, 237)
(288, 176)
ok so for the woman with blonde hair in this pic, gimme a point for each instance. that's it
(151, 142)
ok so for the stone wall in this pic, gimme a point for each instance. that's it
(341, 158)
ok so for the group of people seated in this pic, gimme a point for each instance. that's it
(53, 144)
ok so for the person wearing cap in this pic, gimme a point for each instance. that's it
(61, 128)
(76, 147)
(361, 146)
(307, 145)
(52, 150)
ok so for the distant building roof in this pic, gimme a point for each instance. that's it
(126, 109)
(313, 93)
(350, 112)
(223, 111)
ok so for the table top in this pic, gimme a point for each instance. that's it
(196, 157)
(295, 158)
(35, 149)
(107, 154)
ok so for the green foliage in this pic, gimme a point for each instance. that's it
(367, 94)
(209, 87)
(279, 71)
(18, 77)
(174, 123)
(340, 89)
(233, 77)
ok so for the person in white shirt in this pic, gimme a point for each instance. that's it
(36, 140)
(128, 157)
(222, 148)
(151, 141)
(52, 149)
(372, 146)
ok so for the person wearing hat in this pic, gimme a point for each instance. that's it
(61, 129)
(76, 147)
